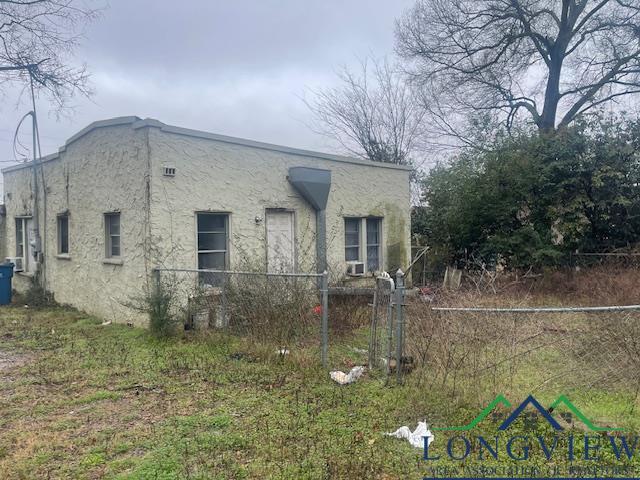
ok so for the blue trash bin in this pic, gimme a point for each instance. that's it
(6, 274)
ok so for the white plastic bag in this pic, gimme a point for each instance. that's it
(416, 438)
(346, 378)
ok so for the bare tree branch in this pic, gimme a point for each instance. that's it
(37, 38)
(372, 114)
(551, 59)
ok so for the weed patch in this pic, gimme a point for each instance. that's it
(99, 401)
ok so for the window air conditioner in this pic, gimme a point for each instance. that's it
(355, 269)
(17, 263)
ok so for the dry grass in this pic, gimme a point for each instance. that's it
(81, 400)
(479, 354)
(599, 285)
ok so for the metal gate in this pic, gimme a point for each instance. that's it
(381, 334)
(386, 337)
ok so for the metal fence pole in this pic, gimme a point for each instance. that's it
(400, 323)
(389, 330)
(373, 350)
(225, 316)
(324, 290)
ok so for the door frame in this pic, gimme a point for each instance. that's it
(294, 239)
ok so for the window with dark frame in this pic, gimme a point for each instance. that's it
(363, 232)
(213, 240)
(112, 235)
(373, 244)
(352, 239)
(63, 234)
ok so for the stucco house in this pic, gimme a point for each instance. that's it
(126, 194)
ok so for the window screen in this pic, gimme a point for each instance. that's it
(373, 244)
(112, 233)
(352, 239)
(212, 242)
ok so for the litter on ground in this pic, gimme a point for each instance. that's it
(415, 438)
(346, 378)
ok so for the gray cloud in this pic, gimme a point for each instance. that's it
(234, 67)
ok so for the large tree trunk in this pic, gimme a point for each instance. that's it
(547, 121)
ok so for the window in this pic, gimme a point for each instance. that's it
(63, 234)
(352, 239)
(212, 241)
(20, 237)
(112, 234)
(373, 244)
(24, 249)
(367, 232)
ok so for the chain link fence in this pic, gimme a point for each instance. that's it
(480, 352)
(282, 308)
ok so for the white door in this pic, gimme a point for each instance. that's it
(280, 242)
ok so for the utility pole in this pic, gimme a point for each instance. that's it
(39, 253)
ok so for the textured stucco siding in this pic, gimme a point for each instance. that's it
(104, 171)
(245, 182)
(118, 167)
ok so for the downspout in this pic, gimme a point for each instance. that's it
(321, 240)
(314, 185)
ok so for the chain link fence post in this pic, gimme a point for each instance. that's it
(373, 350)
(324, 290)
(390, 331)
(399, 293)
(224, 302)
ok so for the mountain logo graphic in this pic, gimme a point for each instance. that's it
(530, 401)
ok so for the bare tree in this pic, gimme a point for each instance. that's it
(37, 38)
(550, 59)
(372, 114)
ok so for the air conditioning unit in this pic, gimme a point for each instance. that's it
(18, 263)
(355, 269)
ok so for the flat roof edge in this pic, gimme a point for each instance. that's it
(137, 123)
(270, 146)
(110, 122)
(20, 166)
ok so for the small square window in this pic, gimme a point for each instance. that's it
(112, 235)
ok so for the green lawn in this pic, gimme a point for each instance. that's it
(81, 400)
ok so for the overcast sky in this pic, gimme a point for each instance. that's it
(236, 67)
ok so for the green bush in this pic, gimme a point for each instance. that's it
(159, 303)
(36, 295)
(530, 199)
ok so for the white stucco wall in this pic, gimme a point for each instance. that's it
(119, 168)
(104, 171)
(244, 181)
